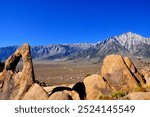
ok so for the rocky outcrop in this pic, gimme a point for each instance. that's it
(64, 95)
(1, 66)
(96, 86)
(36, 92)
(22, 85)
(61, 95)
(49, 89)
(14, 85)
(133, 70)
(146, 73)
(138, 96)
(121, 74)
(65, 92)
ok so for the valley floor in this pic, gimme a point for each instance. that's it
(58, 73)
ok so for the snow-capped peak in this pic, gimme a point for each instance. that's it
(130, 35)
(130, 39)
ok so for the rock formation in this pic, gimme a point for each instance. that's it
(121, 74)
(133, 69)
(14, 85)
(35, 92)
(1, 66)
(61, 95)
(146, 73)
(65, 92)
(96, 86)
(138, 96)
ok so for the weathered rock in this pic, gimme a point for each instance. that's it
(133, 69)
(49, 89)
(2, 66)
(96, 86)
(1, 84)
(73, 94)
(43, 84)
(146, 74)
(121, 74)
(138, 96)
(16, 84)
(36, 92)
(60, 95)
(67, 91)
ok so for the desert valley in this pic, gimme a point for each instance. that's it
(117, 68)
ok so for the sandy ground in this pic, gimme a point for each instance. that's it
(58, 73)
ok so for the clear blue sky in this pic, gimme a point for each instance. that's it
(42, 22)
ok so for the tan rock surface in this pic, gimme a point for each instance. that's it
(50, 88)
(65, 91)
(1, 66)
(120, 73)
(146, 73)
(96, 86)
(16, 84)
(36, 92)
(60, 95)
(139, 96)
(133, 69)
(74, 95)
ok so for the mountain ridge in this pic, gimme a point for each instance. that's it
(125, 44)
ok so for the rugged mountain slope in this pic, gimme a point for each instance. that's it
(50, 52)
(111, 46)
(129, 44)
(129, 40)
(142, 50)
(5, 52)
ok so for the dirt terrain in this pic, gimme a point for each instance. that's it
(58, 73)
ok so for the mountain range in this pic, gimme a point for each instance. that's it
(127, 44)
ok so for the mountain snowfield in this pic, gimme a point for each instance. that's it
(127, 44)
(129, 40)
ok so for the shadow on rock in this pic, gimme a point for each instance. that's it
(80, 89)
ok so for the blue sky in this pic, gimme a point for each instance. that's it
(43, 22)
